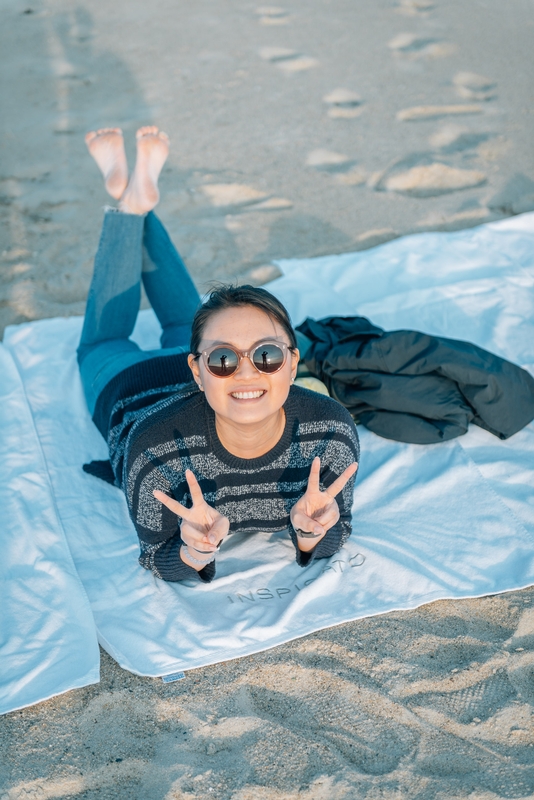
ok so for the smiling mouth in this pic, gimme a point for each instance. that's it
(248, 395)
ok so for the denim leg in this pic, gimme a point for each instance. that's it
(113, 300)
(112, 304)
(168, 285)
(128, 244)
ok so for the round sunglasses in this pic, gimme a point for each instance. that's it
(222, 360)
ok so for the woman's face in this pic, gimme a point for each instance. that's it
(243, 328)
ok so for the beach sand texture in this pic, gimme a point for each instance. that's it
(311, 128)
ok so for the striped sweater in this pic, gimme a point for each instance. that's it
(156, 434)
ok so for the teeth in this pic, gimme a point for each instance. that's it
(246, 395)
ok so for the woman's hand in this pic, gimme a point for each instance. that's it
(316, 511)
(202, 527)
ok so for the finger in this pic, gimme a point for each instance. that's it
(329, 516)
(196, 539)
(209, 534)
(315, 472)
(172, 504)
(194, 487)
(340, 482)
(219, 530)
(307, 524)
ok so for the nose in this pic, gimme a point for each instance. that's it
(246, 369)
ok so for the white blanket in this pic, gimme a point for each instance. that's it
(48, 639)
(444, 521)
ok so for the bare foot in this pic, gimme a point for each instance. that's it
(107, 148)
(142, 193)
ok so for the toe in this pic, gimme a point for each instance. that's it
(146, 131)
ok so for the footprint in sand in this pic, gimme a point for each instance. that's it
(414, 8)
(515, 197)
(288, 60)
(258, 276)
(431, 180)
(457, 221)
(273, 204)
(343, 104)
(341, 166)
(328, 160)
(231, 194)
(455, 138)
(222, 195)
(272, 15)
(376, 236)
(412, 46)
(417, 113)
(354, 177)
(473, 86)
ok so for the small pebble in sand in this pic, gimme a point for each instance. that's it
(231, 194)
(344, 104)
(433, 179)
(473, 86)
(324, 159)
(434, 112)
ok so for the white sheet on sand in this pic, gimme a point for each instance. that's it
(452, 520)
(48, 640)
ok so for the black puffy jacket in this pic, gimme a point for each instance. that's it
(413, 387)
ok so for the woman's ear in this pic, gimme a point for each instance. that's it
(195, 369)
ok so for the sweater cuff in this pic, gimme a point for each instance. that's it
(329, 544)
(164, 561)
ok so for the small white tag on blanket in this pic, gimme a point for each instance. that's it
(175, 676)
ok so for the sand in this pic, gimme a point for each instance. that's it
(317, 127)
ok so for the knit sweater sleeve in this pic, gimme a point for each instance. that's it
(164, 561)
(341, 449)
(158, 528)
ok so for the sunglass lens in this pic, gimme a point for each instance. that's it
(222, 362)
(268, 358)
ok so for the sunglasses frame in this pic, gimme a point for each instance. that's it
(241, 354)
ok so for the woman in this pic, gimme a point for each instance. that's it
(238, 448)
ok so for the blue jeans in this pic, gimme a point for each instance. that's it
(132, 248)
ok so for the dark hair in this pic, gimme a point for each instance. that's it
(223, 297)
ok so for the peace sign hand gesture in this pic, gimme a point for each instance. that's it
(202, 527)
(316, 511)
